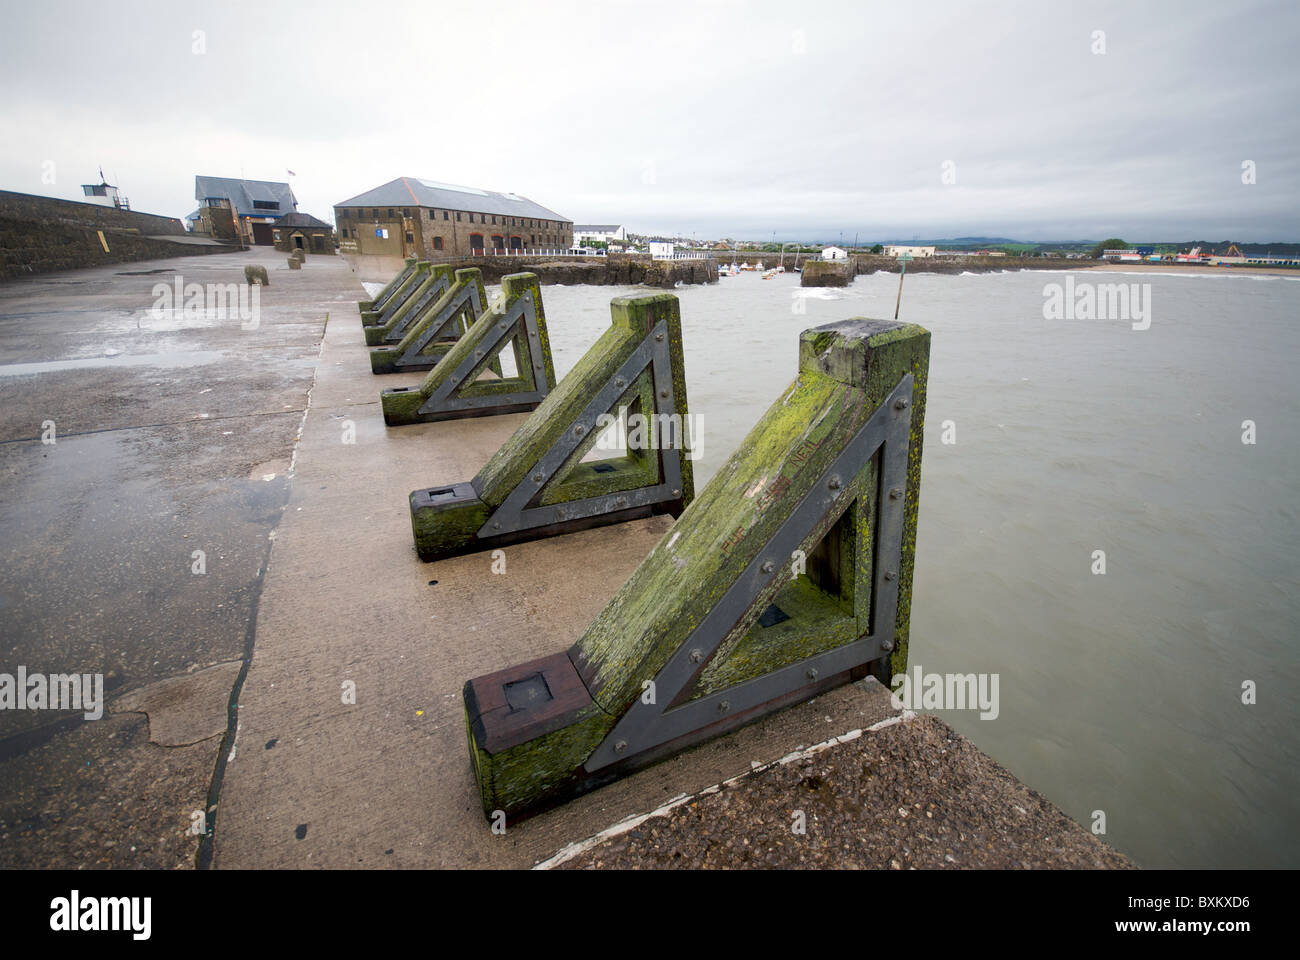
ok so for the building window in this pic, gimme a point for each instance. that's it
(406, 212)
(437, 243)
(375, 212)
(390, 213)
(265, 205)
(476, 241)
(457, 216)
(444, 215)
(410, 237)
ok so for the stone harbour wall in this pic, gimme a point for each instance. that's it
(30, 246)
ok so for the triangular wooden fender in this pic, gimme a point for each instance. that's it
(390, 288)
(463, 385)
(401, 292)
(789, 574)
(395, 321)
(435, 331)
(540, 483)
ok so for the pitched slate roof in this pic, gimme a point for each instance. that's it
(412, 191)
(596, 227)
(242, 193)
(300, 220)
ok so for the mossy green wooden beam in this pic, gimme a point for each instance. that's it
(463, 383)
(537, 484)
(401, 294)
(437, 281)
(440, 324)
(390, 288)
(549, 729)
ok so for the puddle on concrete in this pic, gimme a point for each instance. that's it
(190, 358)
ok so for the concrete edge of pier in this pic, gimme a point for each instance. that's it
(350, 745)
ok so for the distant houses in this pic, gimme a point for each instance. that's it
(586, 234)
(232, 209)
(897, 250)
(834, 253)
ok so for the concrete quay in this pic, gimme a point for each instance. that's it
(342, 654)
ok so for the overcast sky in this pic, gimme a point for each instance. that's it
(741, 119)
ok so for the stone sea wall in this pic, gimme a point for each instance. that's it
(29, 247)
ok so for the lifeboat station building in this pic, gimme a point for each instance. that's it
(410, 217)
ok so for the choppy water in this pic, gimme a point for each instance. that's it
(1122, 692)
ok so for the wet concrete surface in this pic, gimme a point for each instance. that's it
(171, 435)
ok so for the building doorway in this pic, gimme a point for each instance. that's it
(262, 234)
(476, 244)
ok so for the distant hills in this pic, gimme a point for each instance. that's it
(1082, 246)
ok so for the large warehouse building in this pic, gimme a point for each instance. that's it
(410, 217)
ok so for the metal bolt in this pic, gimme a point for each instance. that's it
(659, 338)
(537, 478)
(676, 492)
(579, 430)
(895, 493)
(663, 393)
(496, 526)
(900, 403)
(812, 673)
(724, 706)
(620, 747)
(697, 655)
(886, 644)
(620, 382)
(833, 483)
(768, 566)
(890, 574)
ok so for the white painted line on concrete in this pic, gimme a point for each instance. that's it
(572, 850)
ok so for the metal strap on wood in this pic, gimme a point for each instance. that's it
(515, 514)
(467, 300)
(644, 725)
(437, 288)
(519, 320)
